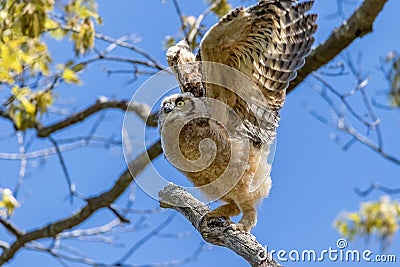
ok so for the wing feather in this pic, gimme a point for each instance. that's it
(268, 42)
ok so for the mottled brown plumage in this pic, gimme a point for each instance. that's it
(236, 106)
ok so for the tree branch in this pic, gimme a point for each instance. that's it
(376, 186)
(141, 109)
(359, 24)
(130, 47)
(93, 204)
(242, 243)
(11, 227)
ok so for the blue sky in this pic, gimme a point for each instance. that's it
(313, 179)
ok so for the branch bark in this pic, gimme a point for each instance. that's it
(359, 24)
(93, 204)
(221, 234)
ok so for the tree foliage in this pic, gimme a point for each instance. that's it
(381, 218)
(26, 63)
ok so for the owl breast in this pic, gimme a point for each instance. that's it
(202, 138)
(190, 141)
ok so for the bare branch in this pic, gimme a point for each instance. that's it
(361, 83)
(83, 259)
(63, 166)
(141, 109)
(123, 59)
(376, 186)
(93, 204)
(91, 231)
(23, 164)
(130, 47)
(344, 126)
(242, 243)
(359, 24)
(180, 14)
(11, 228)
(118, 215)
(349, 107)
(145, 239)
(82, 142)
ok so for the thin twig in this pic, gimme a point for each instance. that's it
(11, 228)
(180, 15)
(366, 101)
(141, 109)
(22, 167)
(343, 126)
(63, 166)
(342, 97)
(145, 239)
(130, 47)
(376, 186)
(81, 143)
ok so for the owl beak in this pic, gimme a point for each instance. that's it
(168, 108)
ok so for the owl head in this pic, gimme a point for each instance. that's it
(181, 107)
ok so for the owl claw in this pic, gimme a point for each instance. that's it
(239, 227)
(211, 220)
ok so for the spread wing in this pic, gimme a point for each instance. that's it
(268, 42)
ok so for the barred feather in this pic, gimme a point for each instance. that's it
(268, 42)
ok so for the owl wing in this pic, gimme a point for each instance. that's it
(267, 42)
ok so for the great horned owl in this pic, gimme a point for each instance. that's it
(220, 129)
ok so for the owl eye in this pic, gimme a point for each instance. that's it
(180, 103)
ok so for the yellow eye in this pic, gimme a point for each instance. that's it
(180, 103)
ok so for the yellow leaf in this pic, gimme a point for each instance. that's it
(9, 202)
(354, 217)
(50, 24)
(43, 100)
(27, 105)
(18, 120)
(17, 91)
(58, 34)
(70, 76)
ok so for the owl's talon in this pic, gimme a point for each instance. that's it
(211, 220)
(239, 227)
